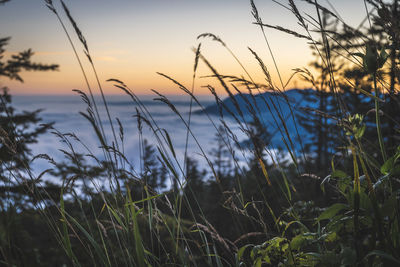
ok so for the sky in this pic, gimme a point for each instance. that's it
(132, 40)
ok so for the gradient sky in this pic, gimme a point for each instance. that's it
(131, 40)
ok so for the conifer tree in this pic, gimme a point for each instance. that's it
(220, 154)
(385, 32)
(314, 117)
(18, 190)
(17, 129)
(154, 174)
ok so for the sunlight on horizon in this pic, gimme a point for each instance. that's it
(131, 41)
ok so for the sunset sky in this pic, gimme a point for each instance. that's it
(131, 40)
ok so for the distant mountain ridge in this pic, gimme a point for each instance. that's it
(266, 107)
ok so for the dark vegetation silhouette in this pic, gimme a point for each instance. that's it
(328, 195)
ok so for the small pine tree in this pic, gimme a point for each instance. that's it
(220, 154)
(17, 130)
(154, 174)
(194, 188)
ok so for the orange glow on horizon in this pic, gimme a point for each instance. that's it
(33, 85)
(134, 42)
(141, 74)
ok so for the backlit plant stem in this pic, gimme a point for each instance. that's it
(378, 120)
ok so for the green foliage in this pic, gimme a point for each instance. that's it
(372, 59)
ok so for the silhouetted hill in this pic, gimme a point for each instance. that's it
(267, 106)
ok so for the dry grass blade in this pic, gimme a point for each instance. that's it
(84, 97)
(296, 12)
(254, 12)
(282, 29)
(212, 36)
(196, 59)
(264, 68)
(165, 100)
(49, 4)
(320, 113)
(324, 9)
(217, 75)
(215, 236)
(117, 81)
(248, 235)
(45, 157)
(173, 80)
(77, 30)
(121, 130)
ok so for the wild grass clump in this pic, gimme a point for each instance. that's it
(327, 195)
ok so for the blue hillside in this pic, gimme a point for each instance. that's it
(265, 107)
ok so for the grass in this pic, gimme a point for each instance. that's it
(333, 201)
